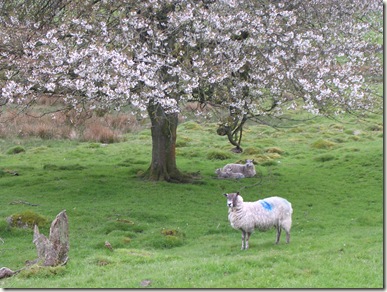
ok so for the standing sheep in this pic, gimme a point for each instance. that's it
(262, 215)
(228, 174)
(248, 169)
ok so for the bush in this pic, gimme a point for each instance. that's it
(16, 150)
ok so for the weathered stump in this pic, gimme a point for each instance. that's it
(54, 250)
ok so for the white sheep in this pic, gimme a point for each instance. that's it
(262, 215)
(228, 174)
(248, 169)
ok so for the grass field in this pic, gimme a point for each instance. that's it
(177, 235)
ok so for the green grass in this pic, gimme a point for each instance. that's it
(178, 235)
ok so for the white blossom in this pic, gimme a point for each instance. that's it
(314, 51)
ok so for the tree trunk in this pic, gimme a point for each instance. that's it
(164, 126)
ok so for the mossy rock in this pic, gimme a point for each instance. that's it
(27, 219)
(39, 271)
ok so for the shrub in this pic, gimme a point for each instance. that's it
(16, 150)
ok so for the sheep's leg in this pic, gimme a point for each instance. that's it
(247, 240)
(243, 239)
(278, 234)
(287, 236)
(287, 225)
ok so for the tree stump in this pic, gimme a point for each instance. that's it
(53, 251)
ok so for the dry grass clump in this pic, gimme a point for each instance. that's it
(323, 144)
(274, 150)
(252, 151)
(100, 133)
(108, 128)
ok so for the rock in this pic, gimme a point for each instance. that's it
(5, 272)
(145, 283)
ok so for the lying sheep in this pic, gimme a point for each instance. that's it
(228, 174)
(248, 169)
(262, 215)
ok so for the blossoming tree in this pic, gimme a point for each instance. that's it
(251, 58)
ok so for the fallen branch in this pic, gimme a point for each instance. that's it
(16, 202)
(11, 172)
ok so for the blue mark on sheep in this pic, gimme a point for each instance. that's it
(266, 205)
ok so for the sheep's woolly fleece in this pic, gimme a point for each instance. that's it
(248, 169)
(262, 215)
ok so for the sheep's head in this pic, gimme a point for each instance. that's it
(217, 171)
(233, 199)
(250, 163)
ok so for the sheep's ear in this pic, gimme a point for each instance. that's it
(225, 195)
(238, 194)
